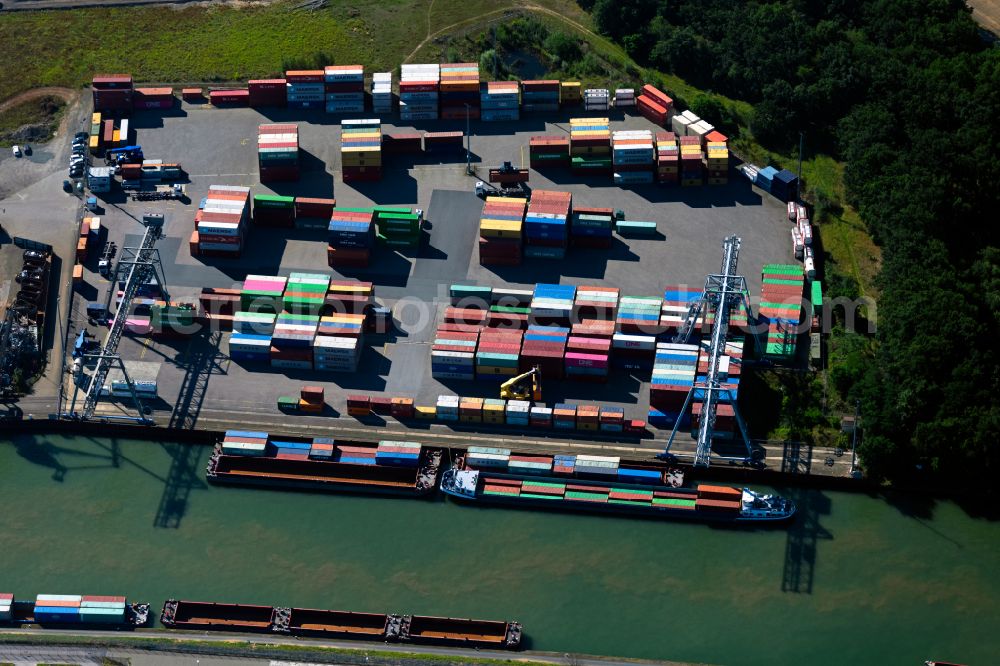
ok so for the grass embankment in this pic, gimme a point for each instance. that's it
(43, 114)
(258, 650)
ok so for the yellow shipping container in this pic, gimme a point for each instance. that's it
(500, 228)
(95, 118)
(523, 202)
(589, 121)
(95, 142)
(425, 413)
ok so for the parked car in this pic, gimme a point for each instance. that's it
(16, 150)
(26, 149)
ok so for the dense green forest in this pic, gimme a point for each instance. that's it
(907, 93)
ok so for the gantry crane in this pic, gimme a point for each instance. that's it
(138, 265)
(723, 293)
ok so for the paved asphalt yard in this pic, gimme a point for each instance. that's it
(218, 146)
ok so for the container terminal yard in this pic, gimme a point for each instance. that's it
(198, 382)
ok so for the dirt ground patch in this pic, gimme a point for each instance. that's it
(987, 14)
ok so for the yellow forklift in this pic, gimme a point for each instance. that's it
(526, 386)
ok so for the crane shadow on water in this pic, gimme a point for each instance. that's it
(804, 534)
(39, 451)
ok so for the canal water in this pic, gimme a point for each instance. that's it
(856, 579)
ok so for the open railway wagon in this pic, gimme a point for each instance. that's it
(423, 629)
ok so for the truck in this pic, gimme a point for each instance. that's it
(159, 193)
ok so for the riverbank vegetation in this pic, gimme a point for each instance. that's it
(907, 94)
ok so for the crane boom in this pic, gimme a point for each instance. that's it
(139, 273)
(723, 292)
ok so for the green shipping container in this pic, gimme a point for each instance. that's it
(273, 201)
(816, 292)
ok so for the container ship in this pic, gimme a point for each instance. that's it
(602, 484)
(92, 611)
(387, 467)
(422, 629)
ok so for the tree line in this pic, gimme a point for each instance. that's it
(907, 93)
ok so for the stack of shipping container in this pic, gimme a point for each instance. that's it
(719, 499)
(251, 338)
(595, 302)
(674, 372)
(540, 95)
(338, 343)
(418, 92)
(677, 300)
(268, 92)
(546, 224)
(716, 162)
(77, 609)
(639, 314)
(313, 213)
(552, 304)
(96, 124)
(781, 307)
(273, 211)
(624, 98)
(729, 375)
(679, 122)
(545, 347)
(304, 89)
(596, 99)
(113, 93)
(655, 105)
(668, 158)
(459, 89)
(588, 351)
(500, 100)
(453, 352)
(498, 353)
(278, 152)
(352, 235)
(590, 145)
(6, 601)
(570, 93)
(305, 293)
(292, 341)
(344, 88)
(592, 227)
(700, 129)
(361, 149)
(263, 293)
(548, 151)
(501, 229)
(632, 156)
(692, 167)
(350, 296)
(382, 92)
(398, 226)
(220, 223)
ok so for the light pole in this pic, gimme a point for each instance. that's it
(468, 141)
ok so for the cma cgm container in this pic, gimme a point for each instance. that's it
(153, 98)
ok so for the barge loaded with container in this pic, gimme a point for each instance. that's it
(91, 611)
(322, 463)
(602, 484)
(423, 629)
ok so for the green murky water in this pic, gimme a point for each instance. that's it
(855, 579)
